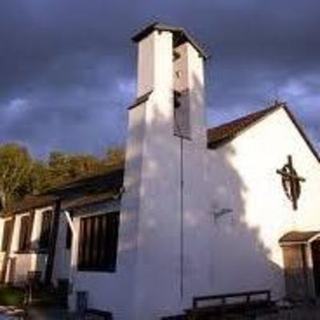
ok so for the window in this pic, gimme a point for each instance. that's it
(46, 228)
(98, 242)
(25, 228)
(7, 229)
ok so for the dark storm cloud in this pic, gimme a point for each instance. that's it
(67, 67)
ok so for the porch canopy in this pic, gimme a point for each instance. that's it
(298, 237)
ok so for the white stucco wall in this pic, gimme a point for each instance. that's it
(106, 291)
(173, 242)
(21, 263)
(261, 211)
(234, 252)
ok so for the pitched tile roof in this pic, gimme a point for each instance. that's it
(104, 186)
(218, 136)
(31, 202)
(224, 133)
(111, 180)
(89, 199)
(78, 192)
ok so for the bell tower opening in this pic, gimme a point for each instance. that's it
(181, 97)
(188, 86)
(170, 66)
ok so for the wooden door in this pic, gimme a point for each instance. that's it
(315, 248)
(295, 270)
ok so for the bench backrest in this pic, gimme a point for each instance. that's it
(232, 298)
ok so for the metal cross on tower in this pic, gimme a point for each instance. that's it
(291, 182)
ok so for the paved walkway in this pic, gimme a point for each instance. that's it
(11, 312)
(47, 314)
(301, 312)
(306, 312)
(310, 312)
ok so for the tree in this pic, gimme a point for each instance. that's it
(15, 170)
(84, 164)
(21, 174)
(115, 156)
(63, 167)
(40, 174)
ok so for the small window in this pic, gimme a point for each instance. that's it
(7, 230)
(98, 242)
(46, 229)
(25, 228)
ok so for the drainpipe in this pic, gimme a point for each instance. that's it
(74, 239)
(69, 220)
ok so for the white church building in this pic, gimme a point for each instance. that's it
(200, 211)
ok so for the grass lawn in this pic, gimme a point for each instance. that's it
(11, 296)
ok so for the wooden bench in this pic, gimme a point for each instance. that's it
(93, 314)
(241, 303)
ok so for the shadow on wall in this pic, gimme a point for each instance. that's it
(234, 256)
(185, 248)
(242, 261)
(183, 229)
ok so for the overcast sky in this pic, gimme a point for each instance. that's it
(67, 67)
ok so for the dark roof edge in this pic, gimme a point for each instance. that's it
(271, 110)
(151, 27)
(28, 208)
(175, 30)
(226, 140)
(302, 133)
(140, 100)
(91, 202)
(86, 179)
(298, 237)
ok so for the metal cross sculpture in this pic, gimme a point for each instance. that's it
(291, 182)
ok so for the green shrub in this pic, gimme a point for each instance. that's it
(11, 296)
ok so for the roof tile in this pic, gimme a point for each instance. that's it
(224, 133)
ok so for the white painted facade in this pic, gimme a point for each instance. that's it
(262, 214)
(173, 244)
(194, 221)
(21, 263)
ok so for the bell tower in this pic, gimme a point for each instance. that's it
(170, 65)
(166, 142)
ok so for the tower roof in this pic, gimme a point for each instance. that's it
(180, 36)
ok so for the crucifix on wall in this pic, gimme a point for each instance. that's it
(291, 182)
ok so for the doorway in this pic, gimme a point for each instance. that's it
(315, 251)
(295, 272)
(301, 257)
